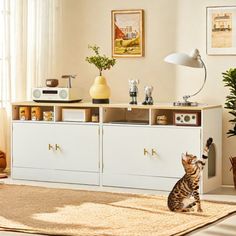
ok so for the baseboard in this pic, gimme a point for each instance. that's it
(227, 186)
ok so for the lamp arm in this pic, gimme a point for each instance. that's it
(205, 71)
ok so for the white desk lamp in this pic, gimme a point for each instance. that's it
(192, 60)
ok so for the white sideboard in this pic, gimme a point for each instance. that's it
(125, 148)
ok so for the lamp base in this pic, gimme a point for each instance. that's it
(185, 104)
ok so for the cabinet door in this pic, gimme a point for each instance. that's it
(78, 147)
(124, 150)
(73, 147)
(30, 145)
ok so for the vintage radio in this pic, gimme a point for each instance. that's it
(57, 94)
(187, 118)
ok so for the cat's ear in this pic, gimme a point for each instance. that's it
(184, 158)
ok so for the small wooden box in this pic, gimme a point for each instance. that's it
(76, 115)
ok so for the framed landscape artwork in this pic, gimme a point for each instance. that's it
(221, 30)
(127, 33)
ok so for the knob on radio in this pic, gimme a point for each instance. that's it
(36, 93)
(63, 94)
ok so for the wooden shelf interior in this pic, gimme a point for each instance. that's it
(124, 115)
(16, 111)
(161, 112)
(92, 111)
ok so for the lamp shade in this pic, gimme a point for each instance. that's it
(183, 59)
(192, 60)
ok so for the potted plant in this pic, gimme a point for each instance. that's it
(229, 78)
(100, 91)
(3, 164)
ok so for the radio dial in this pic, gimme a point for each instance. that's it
(187, 118)
(63, 94)
(37, 93)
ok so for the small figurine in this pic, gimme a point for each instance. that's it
(133, 90)
(148, 95)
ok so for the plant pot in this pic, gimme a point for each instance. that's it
(233, 162)
(100, 91)
(3, 162)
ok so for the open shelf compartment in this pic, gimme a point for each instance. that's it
(161, 117)
(32, 113)
(135, 116)
(77, 114)
(175, 117)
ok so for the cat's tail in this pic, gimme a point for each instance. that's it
(207, 147)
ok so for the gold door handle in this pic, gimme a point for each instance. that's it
(57, 147)
(145, 152)
(50, 147)
(154, 153)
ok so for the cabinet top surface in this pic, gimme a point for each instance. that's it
(118, 105)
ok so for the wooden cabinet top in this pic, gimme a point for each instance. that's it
(119, 105)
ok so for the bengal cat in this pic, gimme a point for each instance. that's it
(188, 185)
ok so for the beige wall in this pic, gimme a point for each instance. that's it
(89, 22)
(191, 33)
(170, 25)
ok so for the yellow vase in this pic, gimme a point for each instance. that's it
(100, 91)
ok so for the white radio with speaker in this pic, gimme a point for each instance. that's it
(57, 94)
(190, 118)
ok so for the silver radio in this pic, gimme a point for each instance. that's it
(56, 94)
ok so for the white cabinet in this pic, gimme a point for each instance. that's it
(126, 147)
(143, 154)
(56, 152)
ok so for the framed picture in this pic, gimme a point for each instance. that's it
(127, 33)
(221, 30)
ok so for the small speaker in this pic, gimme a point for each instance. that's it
(187, 118)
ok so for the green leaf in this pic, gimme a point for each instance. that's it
(101, 62)
(229, 79)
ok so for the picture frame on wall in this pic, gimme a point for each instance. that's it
(127, 33)
(221, 30)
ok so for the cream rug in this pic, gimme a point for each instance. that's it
(89, 213)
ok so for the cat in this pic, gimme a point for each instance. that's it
(188, 185)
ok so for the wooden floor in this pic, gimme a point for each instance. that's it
(226, 227)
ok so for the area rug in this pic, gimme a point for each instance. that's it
(64, 212)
